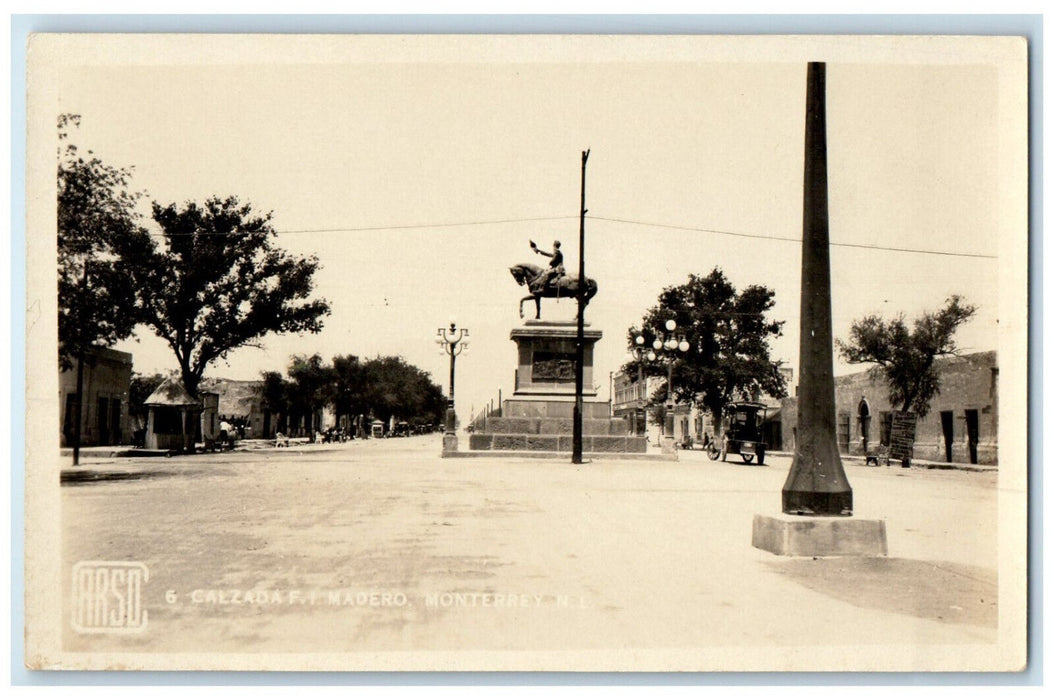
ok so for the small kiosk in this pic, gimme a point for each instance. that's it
(172, 418)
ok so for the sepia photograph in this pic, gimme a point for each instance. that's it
(526, 353)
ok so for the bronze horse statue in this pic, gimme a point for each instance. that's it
(566, 286)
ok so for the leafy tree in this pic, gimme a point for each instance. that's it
(96, 299)
(906, 358)
(274, 397)
(728, 335)
(142, 386)
(96, 211)
(395, 388)
(215, 281)
(311, 387)
(349, 390)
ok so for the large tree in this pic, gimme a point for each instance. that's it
(214, 281)
(274, 397)
(906, 358)
(349, 390)
(141, 387)
(395, 388)
(96, 298)
(96, 213)
(728, 335)
(311, 387)
(381, 387)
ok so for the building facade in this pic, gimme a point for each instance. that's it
(692, 425)
(962, 424)
(630, 400)
(106, 381)
(241, 403)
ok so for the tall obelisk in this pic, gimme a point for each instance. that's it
(816, 484)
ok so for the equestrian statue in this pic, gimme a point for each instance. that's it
(549, 282)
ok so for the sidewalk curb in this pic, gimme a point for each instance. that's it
(921, 464)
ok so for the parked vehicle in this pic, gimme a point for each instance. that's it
(742, 433)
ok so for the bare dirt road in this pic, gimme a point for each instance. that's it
(383, 546)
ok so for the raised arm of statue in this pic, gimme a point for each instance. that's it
(536, 249)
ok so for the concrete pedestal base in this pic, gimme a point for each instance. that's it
(811, 536)
(449, 443)
(668, 446)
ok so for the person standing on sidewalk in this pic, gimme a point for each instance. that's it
(863, 411)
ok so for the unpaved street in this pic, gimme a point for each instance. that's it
(382, 545)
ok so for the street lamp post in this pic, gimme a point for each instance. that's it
(638, 354)
(668, 345)
(451, 340)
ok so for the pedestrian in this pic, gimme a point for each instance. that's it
(863, 411)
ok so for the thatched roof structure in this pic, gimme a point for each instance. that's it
(171, 393)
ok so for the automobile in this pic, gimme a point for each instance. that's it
(742, 423)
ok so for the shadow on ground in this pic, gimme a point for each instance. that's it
(942, 591)
(95, 476)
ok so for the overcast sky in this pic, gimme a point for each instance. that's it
(336, 142)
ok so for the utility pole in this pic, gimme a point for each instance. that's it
(576, 430)
(77, 413)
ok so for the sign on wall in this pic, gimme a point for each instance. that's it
(902, 435)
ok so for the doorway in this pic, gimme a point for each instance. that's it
(102, 415)
(948, 427)
(115, 422)
(972, 434)
(843, 432)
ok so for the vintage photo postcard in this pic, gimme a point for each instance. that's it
(539, 353)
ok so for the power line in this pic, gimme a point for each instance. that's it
(651, 224)
(865, 246)
(357, 229)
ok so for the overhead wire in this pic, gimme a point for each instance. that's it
(634, 222)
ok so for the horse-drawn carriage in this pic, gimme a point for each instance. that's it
(742, 433)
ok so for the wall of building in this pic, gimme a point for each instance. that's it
(240, 401)
(630, 396)
(107, 378)
(968, 403)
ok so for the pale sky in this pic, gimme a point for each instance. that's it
(914, 157)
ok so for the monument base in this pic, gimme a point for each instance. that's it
(560, 456)
(449, 443)
(539, 418)
(813, 536)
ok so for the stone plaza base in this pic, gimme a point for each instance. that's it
(449, 444)
(545, 425)
(539, 418)
(814, 536)
(561, 456)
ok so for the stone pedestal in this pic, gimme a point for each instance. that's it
(539, 416)
(812, 536)
(449, 443)
(545, 366)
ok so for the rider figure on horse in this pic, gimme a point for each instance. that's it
(555, 270)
